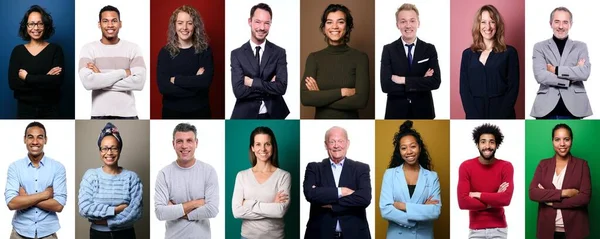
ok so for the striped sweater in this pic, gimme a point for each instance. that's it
(100, 193)
(111, 88)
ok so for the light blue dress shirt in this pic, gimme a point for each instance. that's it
(337, 172)
(33, 221)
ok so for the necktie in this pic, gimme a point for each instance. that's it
(410, 57)
(257, 55)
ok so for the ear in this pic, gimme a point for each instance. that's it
(196, 142)
(250, 22)
(25, 139)
(99, 26)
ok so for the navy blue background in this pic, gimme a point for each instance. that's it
(63, 14)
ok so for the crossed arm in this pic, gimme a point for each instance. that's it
(253, 209)
(475, 201)
(20, 79)
(53, 198)
(130, 79)
(248, 87)
(561, 198)
(391, 83)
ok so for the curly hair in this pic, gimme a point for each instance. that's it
(499, 43)
(347, 15)
(46, 19)
(488, 129)
(199, 37)
(269, 132)
(406, 129)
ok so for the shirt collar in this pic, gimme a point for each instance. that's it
(262, 46)
(42, 161)
(341, 164)
(404, 43)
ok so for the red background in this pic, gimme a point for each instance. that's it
(213, 15)
(462, 13)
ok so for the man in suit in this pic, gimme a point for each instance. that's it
(409, 70)
(259, 72)
(560, 66)
(339, 191)
(485, 185)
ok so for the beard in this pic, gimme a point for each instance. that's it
(491, 155)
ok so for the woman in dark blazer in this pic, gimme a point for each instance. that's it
(489, 70)
(562, 186)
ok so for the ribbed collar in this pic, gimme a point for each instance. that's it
(339, 49)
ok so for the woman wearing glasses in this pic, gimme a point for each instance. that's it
(35, 69)
(261, 193)
(110, 196)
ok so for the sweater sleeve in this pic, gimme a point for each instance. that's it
(464, 187)
(137, 79)
(96, 81)
(318, 98)
(241, 209)
(163, 78)
(87, 207)
(466, 97)
(512, 80)
(133, 211)
(501, 199)
(45, 81)
(211, 197)
(386, 203)
(162, 209)
(274, 209)
(14, 65)
(199, 82)
(362, 87)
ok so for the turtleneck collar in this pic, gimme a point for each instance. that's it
(337, 49)
(560, 43)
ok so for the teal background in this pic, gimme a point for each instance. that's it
(538, 146)
(237, 141)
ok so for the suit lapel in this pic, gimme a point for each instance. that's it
(566, 52)
(419, 52)
(328, 174)
(569, 172)
(421, 182)
(346, 173)
(249, 55)
(400, 48)
(554, 49)
(265, 57)
(401, 179)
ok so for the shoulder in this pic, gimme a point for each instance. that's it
(467, 163)
(54, 46)
(284, 174)
(205, 166)
(358, 165)
(505, 164)
(467, 52)
(130, 175)
(242, 174)
(390, 171)
(425, 44)
(580, 160)
(239, 49)
(358, 53)
(90, 175)
(274, 46)
(545, 162)
(55, 163)
(511, 49)
(579, 44)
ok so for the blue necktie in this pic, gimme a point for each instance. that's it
(410, 57)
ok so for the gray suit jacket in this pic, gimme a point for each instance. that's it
(568, 84)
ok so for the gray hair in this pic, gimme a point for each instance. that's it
(185, 127)
(561, 9)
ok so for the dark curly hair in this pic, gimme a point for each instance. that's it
(46, 19)
(488, 129)
(562, 126)
(406, 129)
(349, 20)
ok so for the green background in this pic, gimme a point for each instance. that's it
(237, 141)
(538, 146)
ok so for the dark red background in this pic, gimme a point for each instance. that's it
(213, 15)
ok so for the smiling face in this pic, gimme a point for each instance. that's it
(337, 144)
(259, 23)
(335, 27)
(110, 24)
(561, 23)
(562, 142)
(410, 150)
(487, 26)
(35, 139)
(184, 27)
(262, 147)
(487, 146)
(185, 144)
(35, 26)
(407, 22)
(109, 151)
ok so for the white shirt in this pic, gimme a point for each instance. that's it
(337, 172)
(263, 107)
(557, 180)
(412, 51)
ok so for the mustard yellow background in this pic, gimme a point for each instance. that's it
(436, 136)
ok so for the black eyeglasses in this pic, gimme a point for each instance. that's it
(106, 149)
(33, 24)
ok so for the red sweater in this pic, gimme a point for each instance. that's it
(488, 211)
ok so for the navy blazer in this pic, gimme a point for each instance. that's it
(320, 189)
(273, 63)
(419, 218)
(489, 91)
(574, 209)
(415, 95)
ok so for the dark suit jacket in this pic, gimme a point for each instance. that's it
(415, 95)
(273, 63)
(489, 91)
(349, 210)
(574, 210)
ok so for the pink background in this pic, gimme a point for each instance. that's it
(462, 13)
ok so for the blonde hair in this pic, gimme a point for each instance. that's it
(199, 37)
(499, 43)
(407, 7)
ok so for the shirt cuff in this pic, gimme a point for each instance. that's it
(339, 192)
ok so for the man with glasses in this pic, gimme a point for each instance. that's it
(112, 68)
(36, 189)
(187, 190)
(338, 201)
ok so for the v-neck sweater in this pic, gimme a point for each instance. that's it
(262, 218)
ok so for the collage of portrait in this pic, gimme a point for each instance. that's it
(298, 119)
